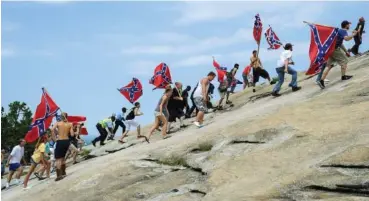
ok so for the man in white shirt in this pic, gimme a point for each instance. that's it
(201, 98)
(14, 162)
(283, 67)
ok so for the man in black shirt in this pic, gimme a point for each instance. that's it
(176, 106)
(185, 98)
(358, 38)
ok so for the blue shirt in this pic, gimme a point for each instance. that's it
(120, 116)
(342, 33)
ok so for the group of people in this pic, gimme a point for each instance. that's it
(173, 105)
(50, 151)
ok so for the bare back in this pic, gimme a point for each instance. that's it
(64, 129)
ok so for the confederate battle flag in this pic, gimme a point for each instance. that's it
(161, 76)
(322, 44)
(258, 29)
(132, 91)
(43, 117)
(272, 39)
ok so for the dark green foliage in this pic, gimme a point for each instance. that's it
(14, 126)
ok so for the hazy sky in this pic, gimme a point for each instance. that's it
(83, 51)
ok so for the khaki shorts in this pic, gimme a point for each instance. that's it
(338, 56)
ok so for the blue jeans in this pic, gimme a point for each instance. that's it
(280, 72)
(319, 77)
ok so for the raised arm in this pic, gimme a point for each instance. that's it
(53, 132)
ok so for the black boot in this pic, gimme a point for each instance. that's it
(94, 143)
(58, 175)
(63, 173)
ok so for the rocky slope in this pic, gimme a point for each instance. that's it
(308, 145)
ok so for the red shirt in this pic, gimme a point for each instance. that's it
(247, 70)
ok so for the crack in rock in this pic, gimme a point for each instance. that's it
(115, 150)
(346, 166)
(356, 192)
(354, 186)
(199, 170)
(246, 142)
(198, 192)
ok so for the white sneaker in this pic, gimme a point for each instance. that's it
(7, 185)
(197, 124)
(326, 80)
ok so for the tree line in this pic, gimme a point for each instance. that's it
(14, 125)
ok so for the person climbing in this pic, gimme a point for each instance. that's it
(119, 122)
(283, 64)
(340, 53)
(201, 97)
(230, 77)
(358, 38)
(193, 107)
(245, 76)
(131, 122)
(176, 107)
(258, 70)
(162, 114)
(185, 99)
(73, 147)
(222, 90)
(37, 158)
(47, 159)
(64, 129)
(14, 162)
(104, 126)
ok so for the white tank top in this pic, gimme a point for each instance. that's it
(198, 92)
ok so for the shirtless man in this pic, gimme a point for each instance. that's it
(62, 144)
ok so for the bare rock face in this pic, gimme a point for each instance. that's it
(307, 145)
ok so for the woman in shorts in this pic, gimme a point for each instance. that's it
(37, 158)
(162, 114)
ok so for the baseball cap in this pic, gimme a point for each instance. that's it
(287, 46)
(345, 23)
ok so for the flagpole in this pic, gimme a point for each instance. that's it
(316, 24)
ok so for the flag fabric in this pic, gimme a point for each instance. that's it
(43, 117)
(132, 91)
(258, 29)
(322, 45)
(221, 70)
(161, 76)
(272, 39)
(76, 118)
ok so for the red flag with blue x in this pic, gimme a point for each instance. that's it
(132, 91)
(43, 117)
(272, 39)
(161, 76)
(258, 29)
(322, 45)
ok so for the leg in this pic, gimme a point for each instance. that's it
(138, 130)
(200, 117)
(103, 136)
(48, 168)
(9, 178)
(26, 179)
(165, 124)
(292, 72)
(155, 126)
(320, 74)
(280, 72)
(19, 172)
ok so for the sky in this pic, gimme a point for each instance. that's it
(81, 52)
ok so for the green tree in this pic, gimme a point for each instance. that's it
(14, 126)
